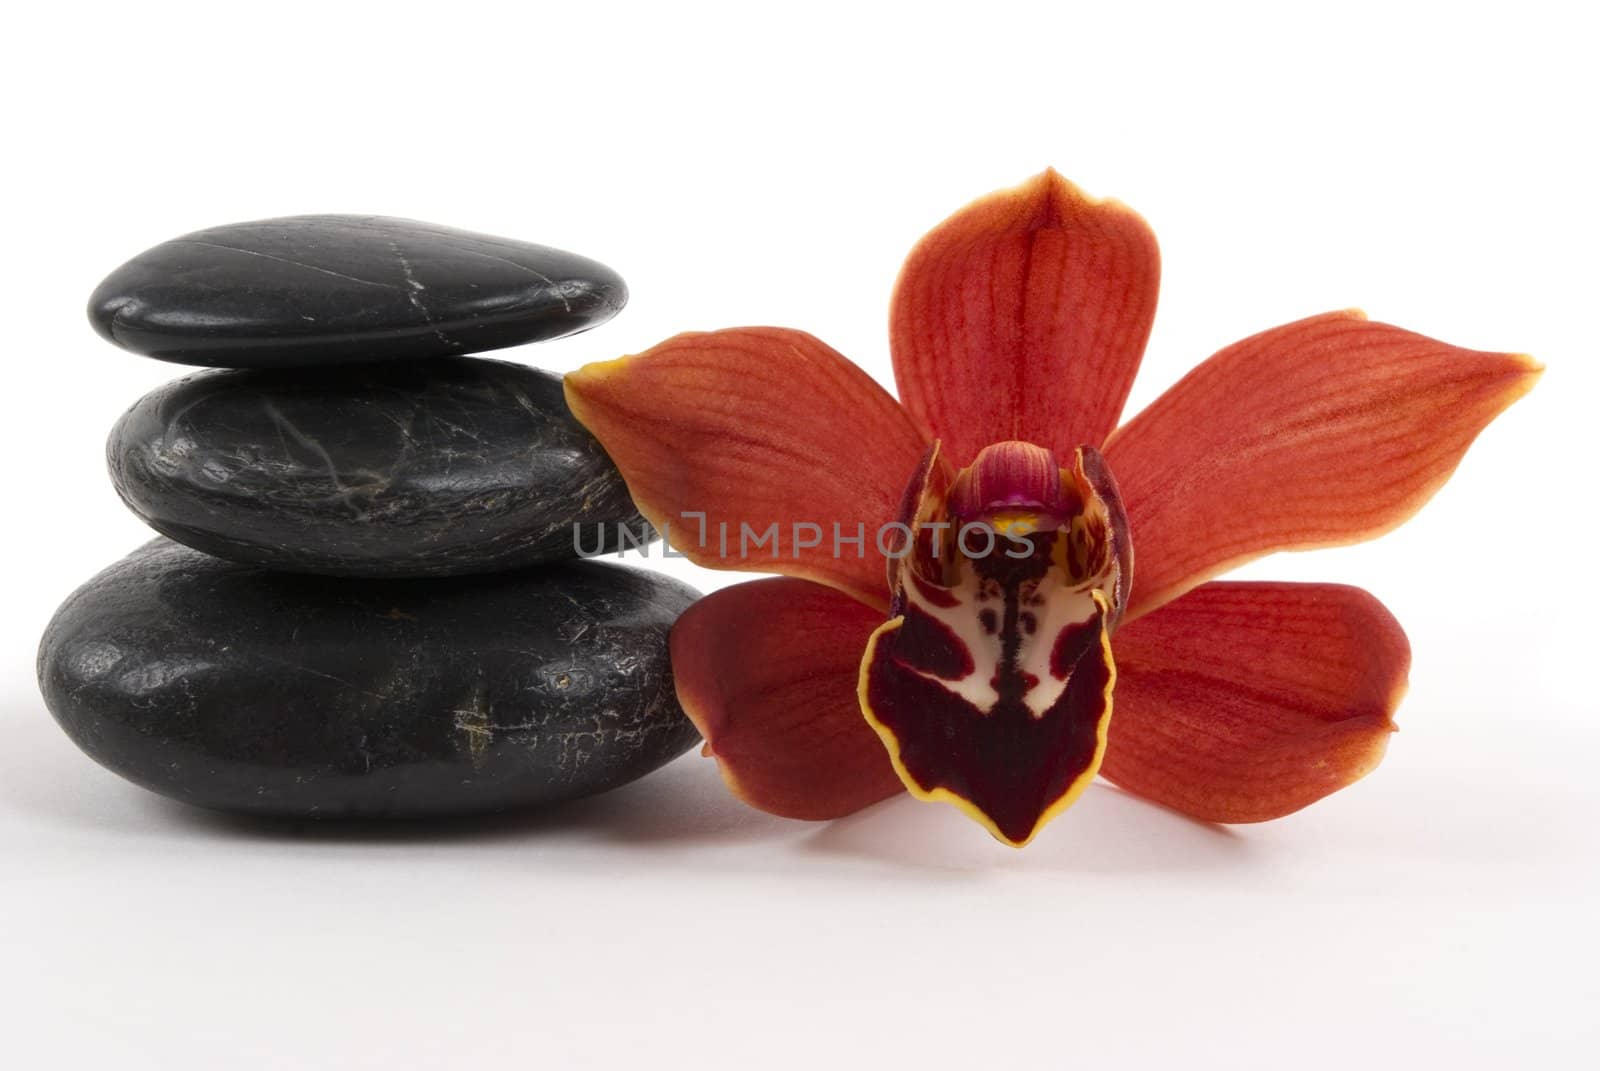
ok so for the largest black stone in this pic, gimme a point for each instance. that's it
(235, 688)
(334, 289)
(426, 468)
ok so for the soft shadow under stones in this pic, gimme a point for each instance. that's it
(685, 803)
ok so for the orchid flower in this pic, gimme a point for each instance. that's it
(893, 654)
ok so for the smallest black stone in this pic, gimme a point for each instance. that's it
(338, 289)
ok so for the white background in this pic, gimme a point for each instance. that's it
(766, 163)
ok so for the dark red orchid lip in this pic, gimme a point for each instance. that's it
(991, 684)
(1022, 319)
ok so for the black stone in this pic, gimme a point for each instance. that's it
(239, 689)
(425, 468)
(300, 290)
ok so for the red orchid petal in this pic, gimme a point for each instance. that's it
(1242, 702)
(1024, 316)
(1325, 431)
(767, 432)
(767, 671)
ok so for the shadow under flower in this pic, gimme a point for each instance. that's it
(1107, 832)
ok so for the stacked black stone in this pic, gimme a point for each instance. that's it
(366, 603)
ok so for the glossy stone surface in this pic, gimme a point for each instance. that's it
(231, 687)
(426, 468)
(301, 290)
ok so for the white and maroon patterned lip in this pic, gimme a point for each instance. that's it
(1006, 611)
(991, 683)
(1009, 634)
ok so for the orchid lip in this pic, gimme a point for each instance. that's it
(991, 684)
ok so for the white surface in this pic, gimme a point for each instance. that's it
(772, 165)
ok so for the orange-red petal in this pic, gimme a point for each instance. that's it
(1325, 431)
(757, 427)
(1242, 702)
(767, 670)
(1024, 316)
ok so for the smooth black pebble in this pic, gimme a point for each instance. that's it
(234, 688)
(426, 468)
(306, 290)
